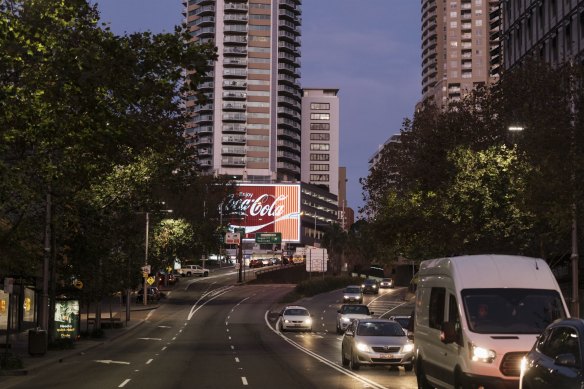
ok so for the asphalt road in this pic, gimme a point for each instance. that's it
(214, 333)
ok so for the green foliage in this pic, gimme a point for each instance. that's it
(458, 181)
(319, 285)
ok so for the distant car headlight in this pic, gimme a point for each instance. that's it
(345, 320)
(346, 297)
(482, 354)
(362, 347)
(408, 347)
(374, 286)
(308, 321)
(363, 285)
(286, 321)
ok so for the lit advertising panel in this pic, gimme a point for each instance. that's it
(266, 208)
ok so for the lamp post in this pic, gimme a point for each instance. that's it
(574, 257)
(145, 296)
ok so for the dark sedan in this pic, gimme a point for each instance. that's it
(555, 360)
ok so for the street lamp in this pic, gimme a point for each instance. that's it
(574, 257)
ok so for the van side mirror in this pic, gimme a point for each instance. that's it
(568, 360)
(448, 333)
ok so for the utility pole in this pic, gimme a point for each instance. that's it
(145, 296)
(44, 308)
(574, 257)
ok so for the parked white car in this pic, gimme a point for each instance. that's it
(193, 270)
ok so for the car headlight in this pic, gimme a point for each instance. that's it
(408, 347)
(308, 321)
(363, 285)
(286, 321)
(374, 286)
(346, 297)
(482, 354)
(345, 320)
(362, 347)
(523, 365)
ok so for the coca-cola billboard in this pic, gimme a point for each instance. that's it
(265, 208)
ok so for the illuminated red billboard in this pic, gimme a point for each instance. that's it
(266, 208)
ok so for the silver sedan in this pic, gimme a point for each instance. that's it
(376, 342)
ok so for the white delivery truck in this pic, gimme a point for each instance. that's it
(477, 316)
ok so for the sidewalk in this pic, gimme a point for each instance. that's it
(138, 314)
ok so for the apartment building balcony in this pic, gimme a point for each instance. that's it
(206, 152)
(289, 36)
(294, 59)
(203, 11)
(290, 102)
(237, 17)
(200, 2)
(290, 4)
(289, 79)
(203, 108)
(206, 85)
(233, 150)
(233, 161)
(289, 123)
(289, 112)
(239, 73)
(283, 165)
(235, 29)
(205, 140)
(228, 50)
(292, 47)
(293, 91)
(204, 130)
(236, 128)
(199, 119)
(234, 84)
(234, 106)
(234, 95)
(202, 21)
(290, 156)
(288, 144)
(236, 139)
(205, 162)
(235, 39)
(289, 69)
(234, 117)
(289, 134)
(236, 7)
(235, 62)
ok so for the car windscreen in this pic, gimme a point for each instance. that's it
(403, 321)
(353, 290)
(296, 312)
(355, 309)
(379, 329)
(511, 311)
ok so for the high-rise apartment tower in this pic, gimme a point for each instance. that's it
(460, 47)
(250, 126)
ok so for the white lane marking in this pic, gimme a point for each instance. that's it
(149, 338)
(124, 383)
(216, 293)
(164, 327)
(149, 314)
(227, 330)
(236, 359)
(174, 338)
(149, 361)
(164, 348)
(232, 347)
(244, 380)
(109, 362)
(392, 309)
(229, 337)
(323, 359)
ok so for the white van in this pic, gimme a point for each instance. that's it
(477, 316)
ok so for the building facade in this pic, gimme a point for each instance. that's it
(320, 138)
(460, 47)
(249, 128)
(551, 30)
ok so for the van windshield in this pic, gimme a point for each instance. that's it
(511, 311)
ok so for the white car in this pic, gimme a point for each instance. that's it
(350, 312)
(295, 317)
(353, 293)
(386, 283)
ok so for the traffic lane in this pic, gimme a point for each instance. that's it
(269, 359)
(325, 343)
(110, 364)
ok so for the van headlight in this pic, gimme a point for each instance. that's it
(481, 354)
(362, 347)
(409, 347)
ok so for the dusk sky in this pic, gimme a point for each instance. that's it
(368, 49)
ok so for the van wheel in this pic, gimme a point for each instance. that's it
(354, 364)
(421, 377)
(457, 380)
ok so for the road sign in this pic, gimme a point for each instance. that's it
(316, 260)
(232, 238)
(150, 280)
(268, 237)
(146, 269)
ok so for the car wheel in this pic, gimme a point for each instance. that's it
(421, 377)
(354, 363)
(409, 367)
(344, 360)
(206, 274)
(282, 329)
(339, 330)
(188, 274)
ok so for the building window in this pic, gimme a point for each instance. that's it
(320, 136)
(320, 146)
(319, 177)
(320, 106)
(259, 16)
(320, 126)
(319, 167)
(320, 116)
(259, 28)
(320, 157)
